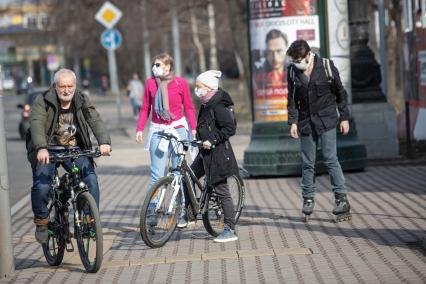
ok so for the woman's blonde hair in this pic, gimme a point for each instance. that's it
(165, 58)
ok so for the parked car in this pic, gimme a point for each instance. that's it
(30, 97)
(24, 85)
(8, 83)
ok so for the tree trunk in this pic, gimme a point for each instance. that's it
(394, 55)
(237, 12)
(212, 32)
(197, 42)
(145, 36)
(176, 40)
(76, 67)
(240, 65)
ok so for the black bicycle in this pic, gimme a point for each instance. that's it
(163, 203)
(69, 188)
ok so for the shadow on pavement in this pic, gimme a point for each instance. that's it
(118, 170)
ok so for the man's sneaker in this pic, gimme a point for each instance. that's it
(228, 235)
(41, 233)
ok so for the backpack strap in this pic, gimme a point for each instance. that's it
(328, 72)
(292, 73)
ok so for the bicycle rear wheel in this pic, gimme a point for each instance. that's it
(88, 232)
(160, 213)
(54, 248)
(213, 217)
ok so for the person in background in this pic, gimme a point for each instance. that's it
(135, 92)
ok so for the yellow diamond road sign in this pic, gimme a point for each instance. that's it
(108, 15)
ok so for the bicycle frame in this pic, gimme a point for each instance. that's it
(183, 170)
(70, 187)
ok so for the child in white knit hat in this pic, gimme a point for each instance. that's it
(216, 160)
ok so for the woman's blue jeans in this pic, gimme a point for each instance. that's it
(159, 159)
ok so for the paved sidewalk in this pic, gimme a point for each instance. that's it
(382, 243)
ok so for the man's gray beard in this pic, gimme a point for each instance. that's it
(66, 99)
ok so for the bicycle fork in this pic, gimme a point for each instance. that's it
(176, 187)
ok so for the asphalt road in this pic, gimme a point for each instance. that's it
(18, 166)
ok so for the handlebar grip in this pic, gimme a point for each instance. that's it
(166, 135)
(199, 143)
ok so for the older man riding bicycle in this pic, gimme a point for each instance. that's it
(61, 117)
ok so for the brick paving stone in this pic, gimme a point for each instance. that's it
(183, 258)
(257, 252)
(219, 255)
(116, 263)
(292, 251)
(148, 261)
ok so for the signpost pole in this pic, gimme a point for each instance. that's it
(108, 15)
(112, 66)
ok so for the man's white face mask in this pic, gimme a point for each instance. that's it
(303, 65)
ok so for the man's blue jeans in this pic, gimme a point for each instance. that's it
(159, 158)
(309, 144)
(42, 183)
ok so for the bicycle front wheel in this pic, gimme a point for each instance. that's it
(213, 216)
(160, 213)
(54, 248)
(88, 232)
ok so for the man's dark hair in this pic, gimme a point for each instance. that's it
(272, 34)
(298, 49)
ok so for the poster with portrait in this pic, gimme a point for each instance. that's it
(274, 25)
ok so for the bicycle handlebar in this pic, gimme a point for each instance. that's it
(194, 143)
(73, 154)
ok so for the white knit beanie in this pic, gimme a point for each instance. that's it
(210, 78)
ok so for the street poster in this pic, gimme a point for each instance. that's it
(274, 25)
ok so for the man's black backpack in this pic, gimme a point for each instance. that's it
(230, 109)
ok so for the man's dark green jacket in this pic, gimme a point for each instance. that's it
(44, 117)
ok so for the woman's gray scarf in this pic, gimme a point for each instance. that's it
(161, 103)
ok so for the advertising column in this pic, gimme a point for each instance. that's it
(274, 25)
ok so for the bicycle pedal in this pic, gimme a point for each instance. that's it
(68, 248)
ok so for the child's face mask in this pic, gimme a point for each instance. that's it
(200, 92)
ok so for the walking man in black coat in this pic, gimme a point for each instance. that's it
(315, 92)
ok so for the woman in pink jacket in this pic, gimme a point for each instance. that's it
(165, 94)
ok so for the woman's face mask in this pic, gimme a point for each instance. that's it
(157, 70)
